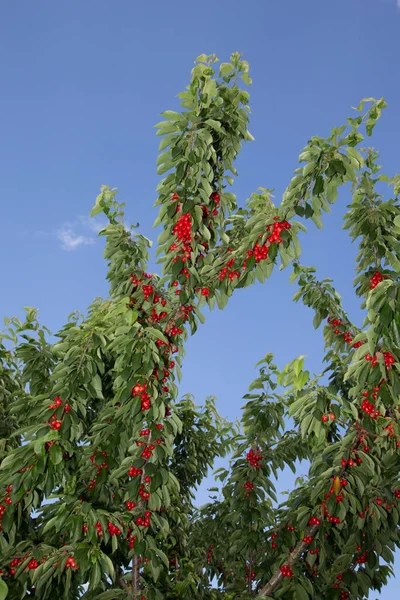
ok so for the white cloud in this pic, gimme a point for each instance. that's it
(93, 224)
(78, 233)
(71, 241)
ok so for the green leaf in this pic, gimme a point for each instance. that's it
(156, 334)
(210, 87)
(225, 69)
(9, 460)
(300, 593)
(296, 246)
(111, 594)
(309, 168)
(353, 153)
(156, 570)
(56, 454)
(201, 58)
(96, 210)
(247, 79)
(213, 124)
(317, 220)
(52, 523)
(305, 424)
(318, 186)
(132, 317)
(95, 575)
(331, 192)
(171, 114)
(163, 557)
(96, 383)
(3, 589)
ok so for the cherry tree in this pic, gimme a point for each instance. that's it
(101, 460)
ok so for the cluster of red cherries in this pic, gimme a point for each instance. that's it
(231, 274)
(101, 466)
(248, 486)
(139, 390)
(254, 458)
(216, 198)
(368, 407)
(71, 563)
(143, 493)
(131, 539)
(375, 280)
(387, 357)
(144, 521)
(148, 451)
(183, 228)
(7, 500)
(97, 468)
(134, 472)
(113, 529)
(14, 563)
(54, 422)
(347, 336)
(326, 418)
(147, 290)
(260, 252)
(286, 571)
(99, 529)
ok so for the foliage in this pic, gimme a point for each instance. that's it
(100, 460)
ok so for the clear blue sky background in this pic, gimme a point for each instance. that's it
(83, 83)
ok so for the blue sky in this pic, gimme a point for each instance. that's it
(83, 83)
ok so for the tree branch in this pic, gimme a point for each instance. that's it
(135, 577)
(135, 559)
(277, 577)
